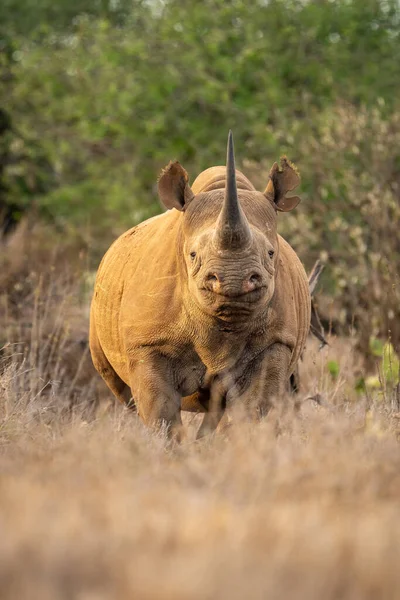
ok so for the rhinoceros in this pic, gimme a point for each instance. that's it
(205, 303)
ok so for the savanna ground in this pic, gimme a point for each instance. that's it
(94, 506)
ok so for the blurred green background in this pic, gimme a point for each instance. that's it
(98, 95)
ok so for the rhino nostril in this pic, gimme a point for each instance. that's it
(252, 283)
(255, 278)
(212, 277)
(212, 282)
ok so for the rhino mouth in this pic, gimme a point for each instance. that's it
(233, 298)
(233, 306)
(233, 311)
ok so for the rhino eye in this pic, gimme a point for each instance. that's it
(193, 255)
(271, 253)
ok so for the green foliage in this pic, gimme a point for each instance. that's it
(376, 346)
(333, 368)
(113, 104)
(33, 17)
(387, 368)
(389, 364)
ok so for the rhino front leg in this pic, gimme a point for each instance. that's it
(157, 401)
(265, 380)
(213, 398)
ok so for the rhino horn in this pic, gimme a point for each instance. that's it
(232, 231)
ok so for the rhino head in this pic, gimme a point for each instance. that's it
(229, 244)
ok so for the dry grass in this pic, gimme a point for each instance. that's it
(304, 505)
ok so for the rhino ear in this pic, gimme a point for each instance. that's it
(283, 178)
(173, 187)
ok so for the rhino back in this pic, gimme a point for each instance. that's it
(214, 178)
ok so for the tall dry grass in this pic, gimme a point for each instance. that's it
(93, 506)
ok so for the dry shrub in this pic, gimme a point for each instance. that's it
(349, 159)
(358, 216)
(44, 317)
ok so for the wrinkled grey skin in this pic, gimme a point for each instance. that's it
(204, 304)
